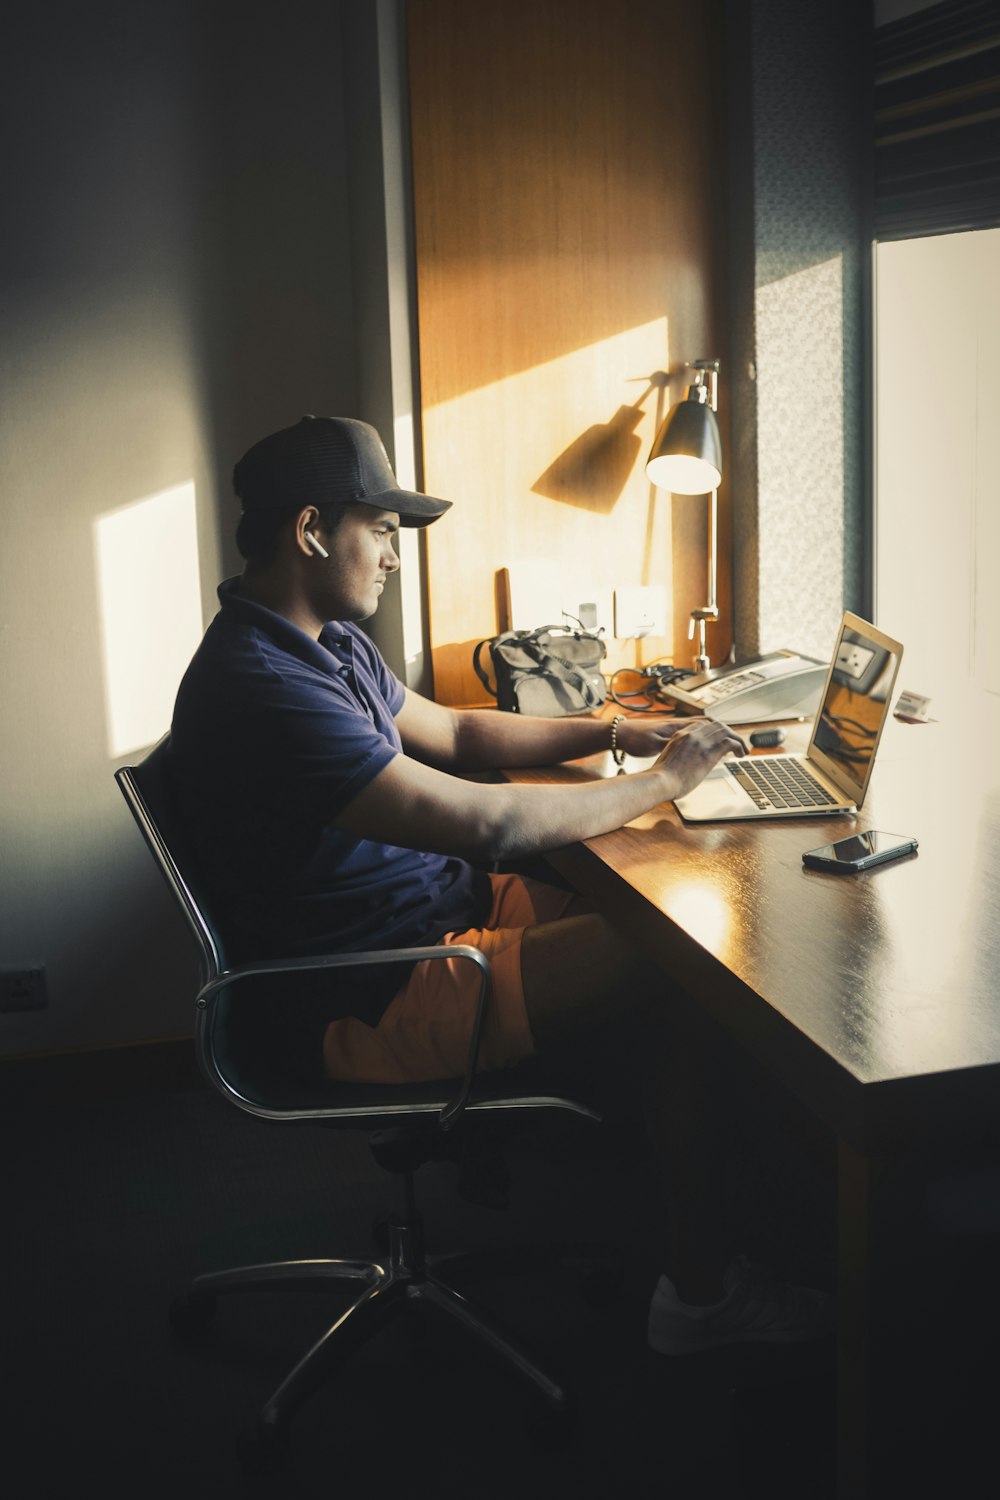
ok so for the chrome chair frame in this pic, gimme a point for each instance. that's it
(409, 1121)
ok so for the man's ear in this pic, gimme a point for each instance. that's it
(305, 521)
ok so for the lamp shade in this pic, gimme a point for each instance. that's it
(686, 457)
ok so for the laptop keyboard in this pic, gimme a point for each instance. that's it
(779, 781)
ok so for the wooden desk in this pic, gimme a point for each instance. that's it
(874, 998)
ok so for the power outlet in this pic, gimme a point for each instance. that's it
(23, 989)
(639, 611)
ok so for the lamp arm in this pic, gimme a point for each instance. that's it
(713, 551)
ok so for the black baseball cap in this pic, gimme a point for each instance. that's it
(327, 461)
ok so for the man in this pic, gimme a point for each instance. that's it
(325, 810)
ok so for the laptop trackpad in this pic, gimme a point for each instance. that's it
(716, 796)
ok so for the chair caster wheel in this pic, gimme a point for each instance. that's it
(191, 1315)
(263, 1447)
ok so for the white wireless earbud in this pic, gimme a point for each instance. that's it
(315, 545)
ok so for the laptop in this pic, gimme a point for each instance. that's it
(833, 774)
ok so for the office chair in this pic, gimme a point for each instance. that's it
(409, 1124)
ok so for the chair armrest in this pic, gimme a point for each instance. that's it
(452, 1111)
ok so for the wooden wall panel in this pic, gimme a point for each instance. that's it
(567, 170)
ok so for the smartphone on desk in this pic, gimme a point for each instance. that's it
(859, 852)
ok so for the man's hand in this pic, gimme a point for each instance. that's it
(645, 737)
(692, 751)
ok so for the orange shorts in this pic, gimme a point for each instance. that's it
(426, 1029)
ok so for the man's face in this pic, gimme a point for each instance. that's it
(361, 558)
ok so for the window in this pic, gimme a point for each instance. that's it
(937, 464)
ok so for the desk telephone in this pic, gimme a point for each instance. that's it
(781, 685)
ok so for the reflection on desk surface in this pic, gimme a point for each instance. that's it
(893, 972)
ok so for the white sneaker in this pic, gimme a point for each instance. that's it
(756, 1308)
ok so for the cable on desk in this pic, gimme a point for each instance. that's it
(650, 679)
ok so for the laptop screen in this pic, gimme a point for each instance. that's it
(855, 704)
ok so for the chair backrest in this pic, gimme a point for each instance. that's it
(247, 1076)
(146, 790)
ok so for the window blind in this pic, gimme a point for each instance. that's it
(937, 121)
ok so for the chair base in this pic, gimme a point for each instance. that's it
(406, 1282)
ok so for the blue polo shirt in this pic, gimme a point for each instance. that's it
(273, 735)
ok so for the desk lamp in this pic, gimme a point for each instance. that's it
(686, 458)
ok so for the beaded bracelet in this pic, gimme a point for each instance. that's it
(617, 753)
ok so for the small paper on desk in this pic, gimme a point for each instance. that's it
(912, 708)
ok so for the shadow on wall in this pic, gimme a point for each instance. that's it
(276, 326)
(176, 283)
(560, 163)
(799, 75)
(132, 973)
(594, 470)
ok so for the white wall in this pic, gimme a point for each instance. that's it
(176, 282)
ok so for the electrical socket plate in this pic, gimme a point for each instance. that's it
(23, 989)
(640, 610)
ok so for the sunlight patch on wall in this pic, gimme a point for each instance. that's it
(590, 395)
(800, 458)
(149, 593)
(545, 465)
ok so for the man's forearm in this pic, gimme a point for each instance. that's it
(534, 819)
(415, 805)
(488, 738)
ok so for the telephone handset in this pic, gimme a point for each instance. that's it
(781, 685)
